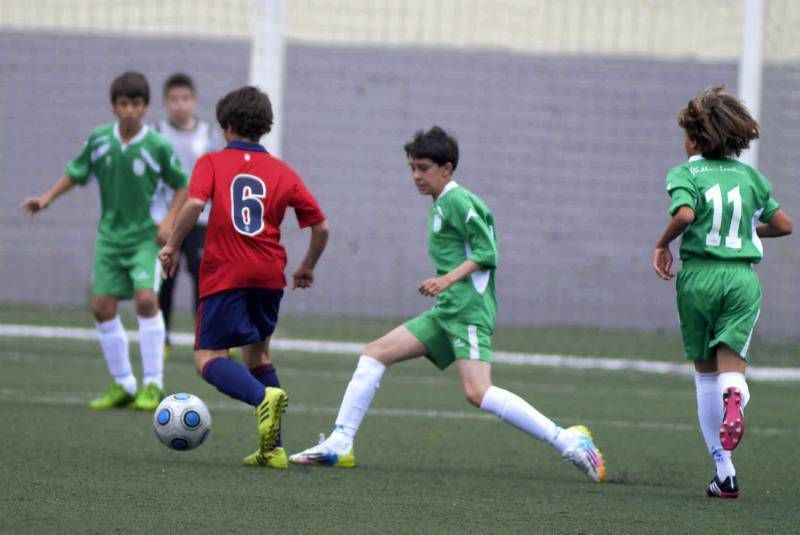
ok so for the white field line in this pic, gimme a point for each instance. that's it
(20, 396)
(331, 347)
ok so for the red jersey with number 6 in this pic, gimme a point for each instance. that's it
(250, 191)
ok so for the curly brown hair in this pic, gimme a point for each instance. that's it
(247, 111)
(719, 123)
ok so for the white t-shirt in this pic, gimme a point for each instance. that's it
(189, 145)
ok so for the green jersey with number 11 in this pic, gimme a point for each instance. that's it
(729, 198)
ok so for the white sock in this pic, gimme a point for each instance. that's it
(709, 414)
(726, 380)
(152, 334)
(114, 343)
(511, 408)
(357, 398)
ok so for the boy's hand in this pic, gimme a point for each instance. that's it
(169, 257)
(164, 230)
(31, 205)
(434, 286)
(302, 278)
(662, 263)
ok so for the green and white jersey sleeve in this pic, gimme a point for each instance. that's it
(460, 228)
(128, 177)
(729, 198)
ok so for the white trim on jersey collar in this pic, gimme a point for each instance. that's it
(696, 157)
(136, 139)
(450, 186)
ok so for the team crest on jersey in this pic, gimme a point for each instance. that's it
(437, 223)
(138, 167)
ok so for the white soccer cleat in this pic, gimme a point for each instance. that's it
(323, 455)
(585, 455)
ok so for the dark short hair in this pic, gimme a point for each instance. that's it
(247, 111)
(434, 144)
(179, 79)
(719, 123)
(130, 84)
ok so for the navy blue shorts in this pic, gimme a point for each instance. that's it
(236, 318)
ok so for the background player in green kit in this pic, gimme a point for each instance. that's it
(463, 248)
(721, 207)
(128, 160)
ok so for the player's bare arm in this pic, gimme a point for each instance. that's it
(165, 227)
(662, 256)
(31, 205)
(187, 217)
(303, 277)
(436, 285)
(779, 225)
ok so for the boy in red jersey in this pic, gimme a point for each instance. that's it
(241, 274)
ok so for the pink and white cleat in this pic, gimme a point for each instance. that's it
(732, 430)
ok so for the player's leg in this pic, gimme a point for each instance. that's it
(734, 330)
(699, 296)
(193, 251)
(473, 350)
(152, 333)
(397, 345)
(109, 282)
(257, 359)
(165, 296)
(223, 321)
(145, 272)
(263, 307)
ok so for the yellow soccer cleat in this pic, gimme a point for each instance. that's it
(584, 454)
(148, 398)
(115, 397)
(323, 455)
(275, 458)
(268, 415)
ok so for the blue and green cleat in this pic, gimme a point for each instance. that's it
(584, 454)
(323, 455)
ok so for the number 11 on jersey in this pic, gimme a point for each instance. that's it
(714, 238)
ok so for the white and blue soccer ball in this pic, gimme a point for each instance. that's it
(182, 421)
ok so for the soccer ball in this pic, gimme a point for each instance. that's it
(182, 421)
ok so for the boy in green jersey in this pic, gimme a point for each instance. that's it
(721, 208)
(463, 249)
(128, 160)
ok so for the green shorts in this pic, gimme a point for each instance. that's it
(120, 271)
(448, 339)
(718, 303)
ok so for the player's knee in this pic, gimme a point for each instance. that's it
(104, 309)
(199, 364)
(377, 350)
(146, 305)
(474, 393)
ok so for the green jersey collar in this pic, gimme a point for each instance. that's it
(696, 157)
(137, 138)
(450, 186)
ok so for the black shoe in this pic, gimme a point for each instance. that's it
(723, 489)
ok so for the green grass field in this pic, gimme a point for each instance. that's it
(428, 462)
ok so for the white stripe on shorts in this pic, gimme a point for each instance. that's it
(750, 336)
(157, 278)
(472, 331)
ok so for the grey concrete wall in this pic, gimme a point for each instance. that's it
(569, 152)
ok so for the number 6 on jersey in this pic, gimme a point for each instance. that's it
(247, 208)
